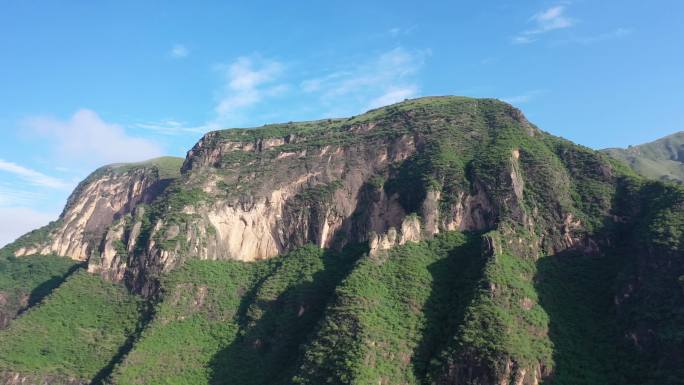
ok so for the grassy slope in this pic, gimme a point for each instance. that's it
(74, 332)
(662, 159)
(393, 313)
(231, 322)
(26, 281)
(234, 322)
(168, 166)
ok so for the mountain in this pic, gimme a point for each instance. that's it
(662, 159)
(441, 240)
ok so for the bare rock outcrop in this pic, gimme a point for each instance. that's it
(105, 196)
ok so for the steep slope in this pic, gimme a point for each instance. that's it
(106, 195)
(26, 281)
(440, 240)
(71, 336)
(662, 159)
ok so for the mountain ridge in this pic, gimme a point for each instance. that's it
(437, 240)
(661, 159)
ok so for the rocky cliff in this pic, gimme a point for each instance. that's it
(253, 194)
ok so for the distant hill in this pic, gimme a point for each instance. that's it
(662, 159)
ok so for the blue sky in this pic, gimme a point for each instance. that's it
(86, 83)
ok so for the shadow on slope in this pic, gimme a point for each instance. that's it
(26, 281)
(279, 313)
(577, 293)
(454, 283)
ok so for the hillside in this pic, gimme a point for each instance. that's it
(441, 240)
(662, 159)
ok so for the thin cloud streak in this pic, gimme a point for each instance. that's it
(548, 20)
(16, 221)
(171, 127)
(32, 176)
(523, 98)
(617, 33)
(179, 51)
(385, 79)
(251, 82)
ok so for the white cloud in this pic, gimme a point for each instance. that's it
(250, 82)
(617, 33)
(32, 176)
(179, 51)
(384, 79)
(87, 141)
(16, 221)
(247, 81)
(172, 127)
(523, 98)
(551, 19)
(397, 31)
(393, 95)
(11, 195)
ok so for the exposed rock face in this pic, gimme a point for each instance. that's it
(509, 373)
(316, 195)
(102, 198)
(265, 196)
(253, 194)
(410, 232)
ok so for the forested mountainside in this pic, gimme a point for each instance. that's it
(441, 240)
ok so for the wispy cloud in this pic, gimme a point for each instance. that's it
(394, 95)
(398, 31)
(251, 84)
(617, 33)
(32, 176)
(86, 140)
(179, 51)
(247, 81)
(16, 221)
(13, 195)
(384, 79)
(548, 20)
(171, 127)
(523, 98)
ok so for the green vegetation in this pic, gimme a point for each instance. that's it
(32, 238)
(662, 159)
(574, 276)
(652, 240)
(577, 293)
(168, 167)
(74, 332)
(27, 280)
(319, 193)
(235, 322)
(393, 314)
(232, 322)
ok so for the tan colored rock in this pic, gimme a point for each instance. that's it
(95, 204)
